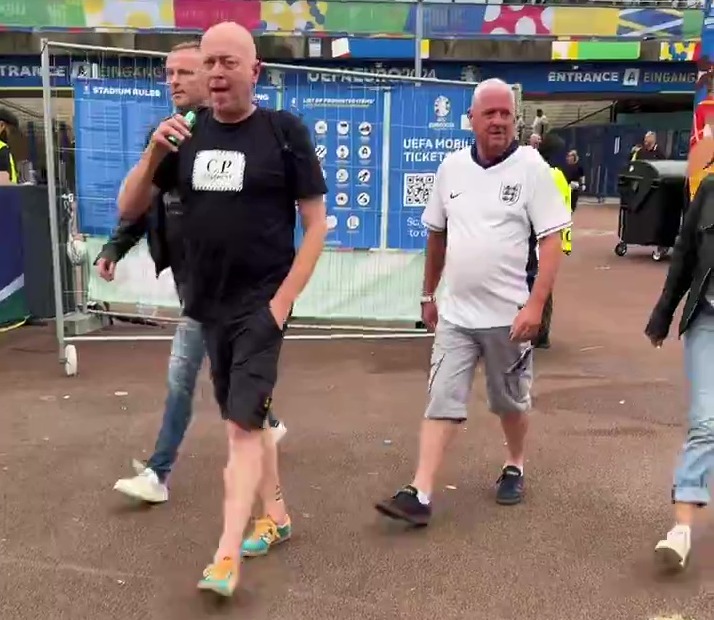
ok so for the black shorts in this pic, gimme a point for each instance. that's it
(244, 358)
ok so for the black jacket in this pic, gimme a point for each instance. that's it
(165, 247)
(154, 225)
(691, 265)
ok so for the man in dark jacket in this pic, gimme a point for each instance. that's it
(691, 271)
(162, 227)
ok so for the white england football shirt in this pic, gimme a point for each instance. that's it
(488, 213)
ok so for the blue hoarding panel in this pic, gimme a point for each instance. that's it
(266, 96)
(428, 122)
(346, 127)
(111, 122)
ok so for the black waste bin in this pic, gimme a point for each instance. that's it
(653, 196)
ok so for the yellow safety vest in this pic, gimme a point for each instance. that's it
(13, 169)
(566, 235)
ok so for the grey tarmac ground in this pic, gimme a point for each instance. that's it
(608, 422)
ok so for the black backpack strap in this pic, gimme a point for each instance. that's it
(278, 130)
(275, 118)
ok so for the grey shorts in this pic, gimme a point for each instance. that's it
(456, 353)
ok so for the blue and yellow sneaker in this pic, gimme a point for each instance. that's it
(266, 533)
(220, 577)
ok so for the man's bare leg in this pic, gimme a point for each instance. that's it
(510, 484)
(240, 477)
(515, 428)
(270, 492)
(454, 358)
(273, 526)
(434, 439)
(412, 503)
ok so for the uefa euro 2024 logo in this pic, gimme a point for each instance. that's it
(442, 107)
(442, 111)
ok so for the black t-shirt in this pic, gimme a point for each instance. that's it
(238, 188)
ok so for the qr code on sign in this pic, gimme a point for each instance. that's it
(417, 188)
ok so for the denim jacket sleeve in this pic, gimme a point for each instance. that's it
(125, 236)
(681, 268)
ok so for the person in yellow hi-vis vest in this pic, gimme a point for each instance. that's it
(550, 147)
(566, 191)
(8, 169)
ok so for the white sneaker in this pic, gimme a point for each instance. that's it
(145, 486)
(278, 432)
(673, 551)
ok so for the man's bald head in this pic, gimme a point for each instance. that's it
(493, 117)
(231, 35)
(231, 63)
(493, 86)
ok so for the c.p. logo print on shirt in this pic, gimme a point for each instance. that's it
(218, 171)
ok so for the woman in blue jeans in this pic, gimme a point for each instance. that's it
(690, 272)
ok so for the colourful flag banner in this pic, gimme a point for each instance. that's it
(679, 51)
(701, 141)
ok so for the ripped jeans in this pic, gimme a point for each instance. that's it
(696, 461)
(187, 353)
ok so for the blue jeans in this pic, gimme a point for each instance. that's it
(187, 353)
(696, 462)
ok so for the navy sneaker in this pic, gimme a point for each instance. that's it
(510, 486)
(405, 506)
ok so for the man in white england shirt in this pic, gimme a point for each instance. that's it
(485, 200)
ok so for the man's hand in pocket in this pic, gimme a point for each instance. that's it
(280, 311)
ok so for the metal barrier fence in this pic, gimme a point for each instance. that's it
(380, 139)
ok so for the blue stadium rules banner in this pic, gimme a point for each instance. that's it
(428, 122)
(346, 128)
(112, 120)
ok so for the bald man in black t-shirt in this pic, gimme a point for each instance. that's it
(163, 227)
(239, 186)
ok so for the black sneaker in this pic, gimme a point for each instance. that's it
(510, 486)
(406, 506)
